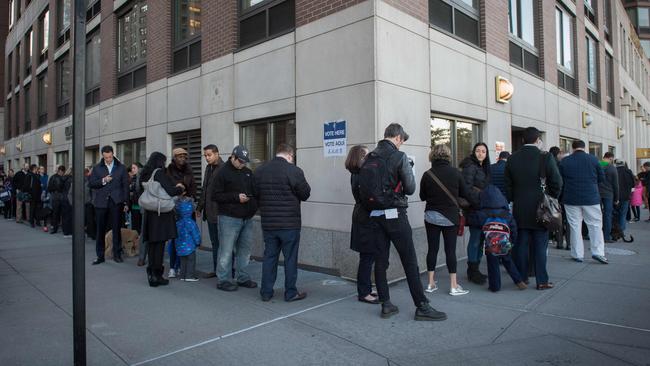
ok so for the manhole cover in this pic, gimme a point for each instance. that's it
(619, 251)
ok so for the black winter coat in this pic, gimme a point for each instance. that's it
(32, 185)
(183, 175)
(625, 182)
(476, 178)
(401, 172)
(280, 187)
(436, 198)
(229, 183)
(19, 180)
(161, 227)
(523, 184)
(208, 206)
(361, 233)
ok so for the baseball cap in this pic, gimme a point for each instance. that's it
(241, 153)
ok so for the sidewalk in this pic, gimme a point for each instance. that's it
(596, 315)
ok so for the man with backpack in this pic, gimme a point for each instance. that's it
(385, 179)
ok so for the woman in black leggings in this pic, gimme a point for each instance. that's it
(441, 187)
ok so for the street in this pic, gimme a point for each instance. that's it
(596, 315)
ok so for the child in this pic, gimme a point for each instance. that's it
(636, 199)
(189, 238)
(500, 231)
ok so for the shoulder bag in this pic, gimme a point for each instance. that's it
(461, 218)
(549, 212)
(154, 197)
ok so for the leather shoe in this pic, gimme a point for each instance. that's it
(140, 263)
(118, 259)
(227, 286)
(545, 286)
(299, 296)
(98, 261)
(247, 284)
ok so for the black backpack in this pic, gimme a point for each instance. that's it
(375, 189)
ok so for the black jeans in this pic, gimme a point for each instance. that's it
(399, 232)
(136, 220)
(449, 234)
(364, 273)
(91, 224)
(104, 216)
(66, 217)
(57, 207)
(156, 253)
(636, 211)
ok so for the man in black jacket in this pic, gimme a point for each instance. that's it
(111, 184)
(32, 186)
(56, 187)
(234, 191)
(609, 191)
(391, 224)
(523, 188)
(625, 186)
(18, 183)
(208, 208)
(280, 186)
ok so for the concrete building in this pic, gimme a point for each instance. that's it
(188, 73)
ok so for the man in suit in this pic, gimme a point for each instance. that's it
(523, 189)
(581, 174)
(208, 209)
(110, 181)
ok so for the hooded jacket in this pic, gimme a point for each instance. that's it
(494, 204)
(609, 187)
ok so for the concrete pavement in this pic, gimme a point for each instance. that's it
(596, 315)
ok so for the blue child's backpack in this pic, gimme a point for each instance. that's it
(497, 236)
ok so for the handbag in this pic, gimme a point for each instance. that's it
(154, 197)
(549, 212)
(461, 218)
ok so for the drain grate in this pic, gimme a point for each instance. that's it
(619, 251)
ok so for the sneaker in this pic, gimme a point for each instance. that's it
(227, 286)
(522, 286)
(458, 291)
(600, 259)
(67, 236)
(430, 289)
(388, 310)
(172, 273)
(191, 279)
(425, 312)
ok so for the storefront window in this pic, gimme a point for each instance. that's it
(459, 135)
(261, 138)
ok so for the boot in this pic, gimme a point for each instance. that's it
(425, 312)
(152, 280)
(473, 274)
(158, 274)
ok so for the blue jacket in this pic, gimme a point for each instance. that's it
(118, 188)
(581, 174)
(189, 235)
(494, 203)
(497, 173)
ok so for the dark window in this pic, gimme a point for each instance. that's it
(94, 8)
(9, 120)
(459, 17)
(10, 72)
(17, 115)
(43, 36)
(17, 58)
(63, 11)
(590, 10)
(263, 136)
(607, 14)
(27, 100)
(17, 2)
(187, 34)
(132, 47)
(63, 82)
(29, 51)
(609, 80)
(93, 68)
(191, 141)
(524, 58)
(261, 20)
(42, 99)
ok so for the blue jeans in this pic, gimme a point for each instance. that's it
(623, 208)
(538, 241)
(494, 273)
(287, 242)
(474, 249)
(234, 235)
(608, 209)
(213, 230)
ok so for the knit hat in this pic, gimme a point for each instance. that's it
(179, 151)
